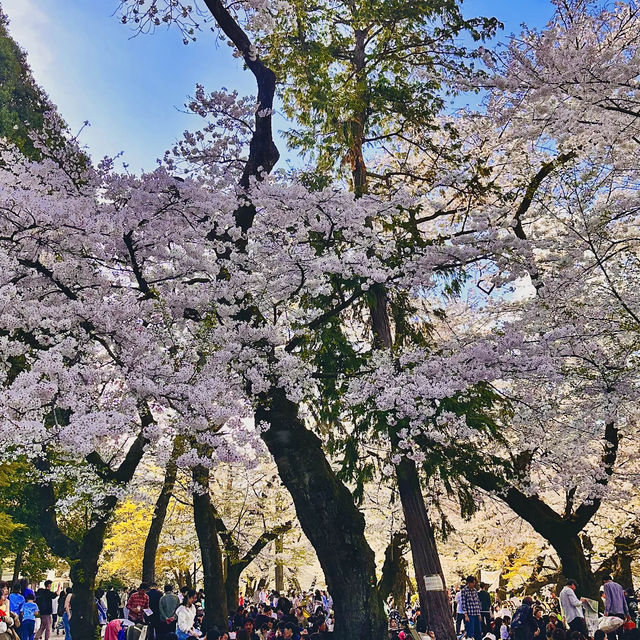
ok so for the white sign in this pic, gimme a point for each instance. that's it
(434, 583)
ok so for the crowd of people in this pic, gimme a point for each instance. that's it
(149, 613)
(560, 618)
(171, 615)
(146, 612)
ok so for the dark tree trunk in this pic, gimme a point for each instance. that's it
(215, 601)
(83, 571)
(329, 518)
(575, 564)
(426, 561)
(17, 566)
(159, 516)
(394, 578)
(232, 585)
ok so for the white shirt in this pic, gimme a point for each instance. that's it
(186, 616)
(459, 602)
(571, 606)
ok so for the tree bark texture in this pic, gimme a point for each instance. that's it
(159, 515)
(17, 566)
(215, 601)
(394, 579)
(435, 604)
(329, 518)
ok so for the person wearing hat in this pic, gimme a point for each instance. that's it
(138, 601)
(615, 604)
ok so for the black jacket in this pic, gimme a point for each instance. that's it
(44, 600)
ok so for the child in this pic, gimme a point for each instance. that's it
(28, 614)
(504, 629)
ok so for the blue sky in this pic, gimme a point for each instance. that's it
(131, 89)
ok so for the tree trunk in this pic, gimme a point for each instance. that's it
(215, 602)
(434, 604)
(575, 564)
(329, 518)
(394, 578)
(83, 571)
(426, 561)
(232, 586)
(17, 566)
(279, 575)
(159, 515)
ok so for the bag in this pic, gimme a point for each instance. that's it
(517, 620)
(137, 632)
(610, 623)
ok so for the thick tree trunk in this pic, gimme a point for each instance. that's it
(83, 571)
(329, 518)
(215, 602)
(17, 566)
(434, 604)
(159, 516)
(232, 585)
(575, 564)
(394, 578)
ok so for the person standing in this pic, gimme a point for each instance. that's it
(62, 596)
(523, 623)
(66, 616)
(572, 608)
(113, 603)
(485, 608)
(167, 612)
(16, 599)
(471, 609)
(459, 611)
(28, 614)
(136, 604)
(154, 595)
(44, 600)
(615, 604)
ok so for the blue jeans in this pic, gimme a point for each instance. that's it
(26, 629)
(67, 628)
(181, 635)
(473, 628)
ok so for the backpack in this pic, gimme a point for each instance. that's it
(518, 617)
